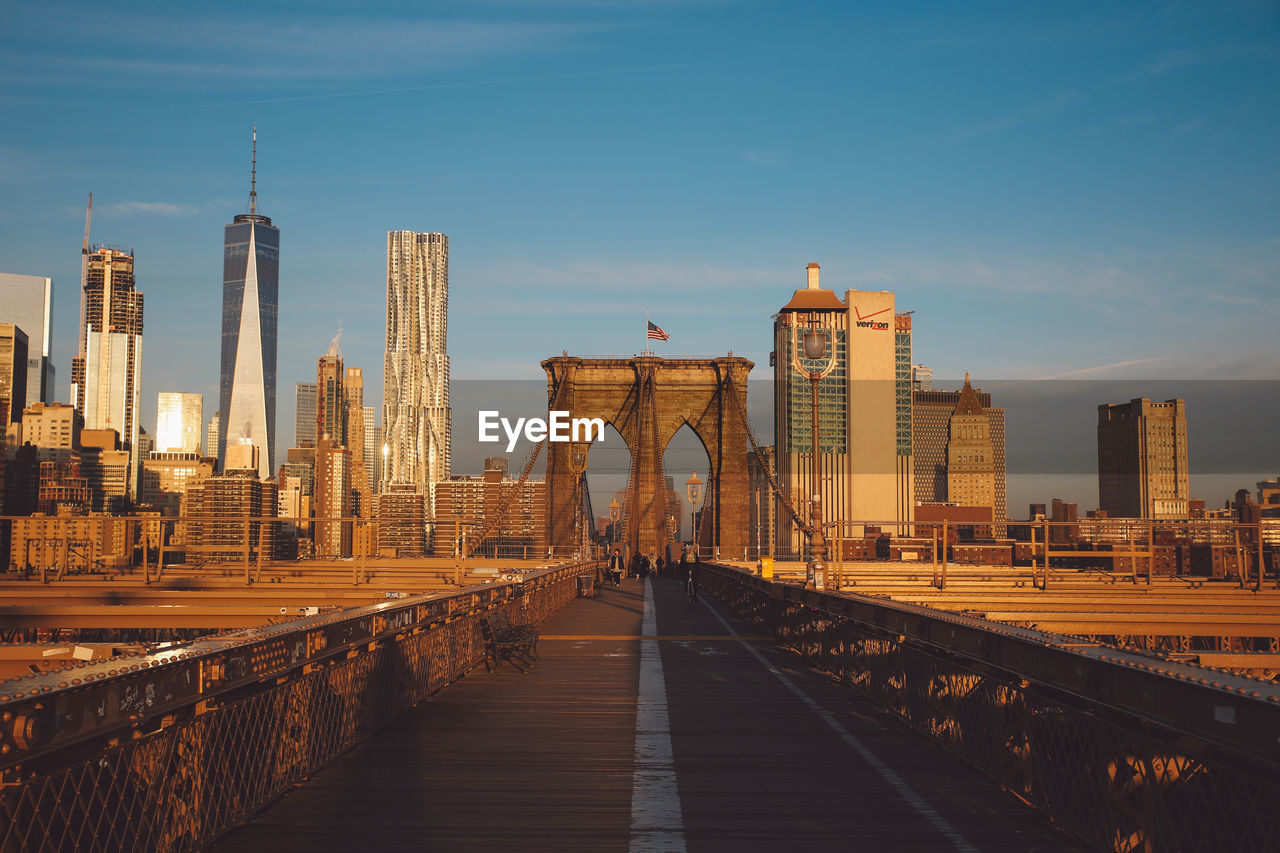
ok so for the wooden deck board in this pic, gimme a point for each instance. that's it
(544, 761)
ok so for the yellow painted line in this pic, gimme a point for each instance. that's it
(676, 637)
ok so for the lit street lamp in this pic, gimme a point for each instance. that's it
(693, 487)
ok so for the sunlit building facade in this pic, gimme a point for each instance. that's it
(107, 377)
(416, 418)
(864, 470)
(179, 420)
(250, 316)
(27, 302)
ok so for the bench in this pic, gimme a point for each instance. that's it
(508, 641)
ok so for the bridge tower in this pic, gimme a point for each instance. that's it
(648, 399)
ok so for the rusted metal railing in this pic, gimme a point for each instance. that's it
(1127, 751)
(167, 750)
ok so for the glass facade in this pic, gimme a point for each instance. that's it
(179, 419)
(250, 318)
(833, 396)
(304, 429)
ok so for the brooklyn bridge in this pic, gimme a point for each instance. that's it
(902, 689)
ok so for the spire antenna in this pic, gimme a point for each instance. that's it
(253, 181)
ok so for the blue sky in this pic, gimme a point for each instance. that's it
(1057, 189)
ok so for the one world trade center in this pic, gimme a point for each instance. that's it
(250, 315)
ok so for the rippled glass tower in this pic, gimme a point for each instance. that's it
(415, 394)
(250, 316)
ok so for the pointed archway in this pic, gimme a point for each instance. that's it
(648, 400)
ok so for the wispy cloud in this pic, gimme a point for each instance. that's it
(221, 47)
(460, 84)
(1173, 61)
(1103, 368)
(1027, 115)
(162, 208)
(762, 155)
(1189, 126)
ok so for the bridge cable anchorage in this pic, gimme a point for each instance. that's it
(513, 491)
(805, 526)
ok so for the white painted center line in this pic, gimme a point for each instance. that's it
(657, 825)
(894, 781)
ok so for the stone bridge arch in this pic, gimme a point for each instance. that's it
(648, 399)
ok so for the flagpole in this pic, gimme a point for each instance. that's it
(646, 331)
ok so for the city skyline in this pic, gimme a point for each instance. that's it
(1098, 220)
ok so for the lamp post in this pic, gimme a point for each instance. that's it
(693, 487)
(815, 348)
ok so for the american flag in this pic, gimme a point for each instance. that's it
(656, 334)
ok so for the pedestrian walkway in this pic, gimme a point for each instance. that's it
(701, 737)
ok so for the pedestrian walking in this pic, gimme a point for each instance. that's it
(615, 567)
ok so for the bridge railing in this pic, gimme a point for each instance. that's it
(165, 751)
(1127, 751)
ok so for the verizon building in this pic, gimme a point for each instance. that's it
(864, 471)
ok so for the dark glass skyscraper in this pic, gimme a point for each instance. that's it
(250, 316)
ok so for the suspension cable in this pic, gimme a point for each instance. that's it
(804, 525)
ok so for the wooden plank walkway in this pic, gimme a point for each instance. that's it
(546, 760)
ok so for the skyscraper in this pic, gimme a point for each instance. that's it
(13, 373)
(372, 446)
(361, 483)
(106, 378)
(945, 431)
(331, 402)
(211, 435)
(179, 418)
(250, 314)
(304, 429)
(1143, 459)
(27, 302)
(415, 398)
(864, 406)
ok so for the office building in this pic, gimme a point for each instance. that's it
(105, 468)
(1142, 459)
(27, 302)
(106, 377)
(356, 442)
(235, 513)
(250, 317)
(166, 476)
(304, 430)
(864, 407)
(331, 402)
(179, 418)
(13, 373)
(415, 414)
(332, 499)
(401, 511)
(465, 504)
(372, 448)
(53, 429)
(211, 436)
(948, 437)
